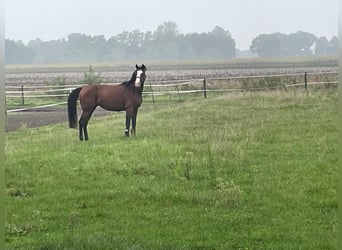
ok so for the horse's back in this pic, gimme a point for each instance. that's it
(106, 96)
(111, 97)
(114, 98)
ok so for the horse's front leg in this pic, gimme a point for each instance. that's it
(134, 121)
(129, 113)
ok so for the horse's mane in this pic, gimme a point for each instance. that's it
(127, 83)
(131, 81)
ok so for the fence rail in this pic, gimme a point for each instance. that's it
(186, 86)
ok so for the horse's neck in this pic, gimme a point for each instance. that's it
(137, 90)
(130, 85)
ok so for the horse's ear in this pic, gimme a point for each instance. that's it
(143, 67)
(136, 66)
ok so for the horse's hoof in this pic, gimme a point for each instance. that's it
(127, 132)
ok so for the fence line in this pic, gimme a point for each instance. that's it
(173, 82)
(36, 107)
(49, 92)
(43, 86)
(156, 92)
(274, 75)
(170, 91)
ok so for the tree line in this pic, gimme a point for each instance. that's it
(296, 44)
(166, 42)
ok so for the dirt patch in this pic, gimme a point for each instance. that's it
(41, 117)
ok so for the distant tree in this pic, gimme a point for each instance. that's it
(279, 44)
(166, 31)
(268, 45)
(194, 45)
(134, 43)
(117, 47)
(223, 41)
(322, 46)
(17, 52)
(82, 47)
(298, 44)
(215, 44)
(166, 42)
(53, 51)
(101, 47)
(332, 49)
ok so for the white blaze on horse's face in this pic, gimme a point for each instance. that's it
(137, 79)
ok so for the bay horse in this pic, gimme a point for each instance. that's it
(125, 96)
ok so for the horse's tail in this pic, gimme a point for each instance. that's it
(72, 111)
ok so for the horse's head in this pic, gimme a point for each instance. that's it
(139, 76)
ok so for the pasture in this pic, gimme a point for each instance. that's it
(251, 170)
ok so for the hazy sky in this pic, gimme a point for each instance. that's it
(245, 19)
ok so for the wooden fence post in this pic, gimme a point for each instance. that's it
(179, 97)
(205, 88)
(152, 93)
(305, 80)
(22, 95)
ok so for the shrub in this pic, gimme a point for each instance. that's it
(91, 77)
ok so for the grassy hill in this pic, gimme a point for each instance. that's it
(242, 171)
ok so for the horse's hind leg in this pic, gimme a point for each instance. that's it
(83, 123)
(80, 129)
(83, 128)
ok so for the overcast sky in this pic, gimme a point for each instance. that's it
(245, 19)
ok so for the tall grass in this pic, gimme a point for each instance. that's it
(244, 171)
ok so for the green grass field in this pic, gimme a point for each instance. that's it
(235, 171)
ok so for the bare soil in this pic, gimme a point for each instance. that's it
(41, 117)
